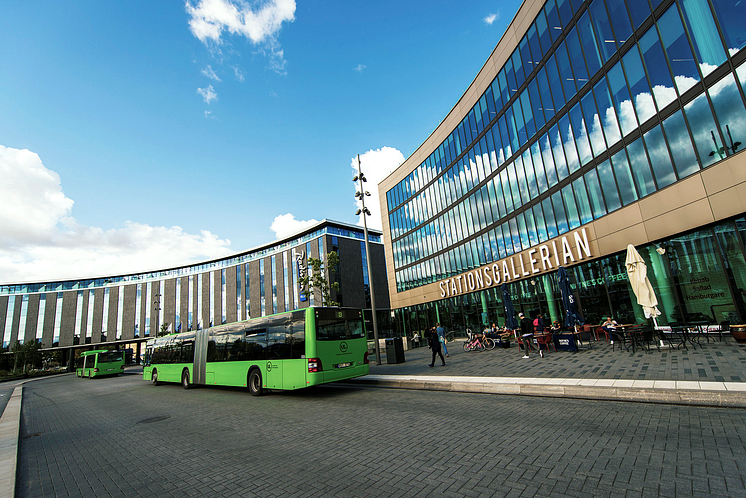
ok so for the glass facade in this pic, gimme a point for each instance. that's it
(700, 278)
(602, 103)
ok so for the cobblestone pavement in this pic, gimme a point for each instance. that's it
(123, 437)
(714, 361)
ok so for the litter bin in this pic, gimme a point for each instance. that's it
(394, 350)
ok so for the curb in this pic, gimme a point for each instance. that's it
(9, 432)
(562, 388)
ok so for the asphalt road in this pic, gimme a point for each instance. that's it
(123, 437)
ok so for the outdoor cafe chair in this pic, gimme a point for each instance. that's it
(648, 337)
(675, 339)
(545, 339)
(620, 338)
(526, 344)
(579, 333)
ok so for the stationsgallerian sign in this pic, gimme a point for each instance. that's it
(539, 259)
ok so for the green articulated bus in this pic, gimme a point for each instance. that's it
(285, 351)
(100, 363)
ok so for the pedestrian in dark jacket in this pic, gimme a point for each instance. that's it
(434, 342)
(526, 333)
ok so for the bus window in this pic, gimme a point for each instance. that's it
(278, 341)
(256, 343)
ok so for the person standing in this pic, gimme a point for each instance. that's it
(434, 343)
(442, 337)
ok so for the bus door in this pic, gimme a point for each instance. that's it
(200, 357)
(278, 350)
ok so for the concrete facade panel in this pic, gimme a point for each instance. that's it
(67, 327)
(671, 198)
(169, 304)
(729, 202)
(32, 317)
(98, 315)
(254, 296)
(110, 326)
(678, 220)
(128, 319)
(83, 326)
(217, 282)
(49, 311)
(231, 303)
(3, 313)
(204, 307)
(184, 304)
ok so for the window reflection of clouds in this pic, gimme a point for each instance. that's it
(659, 158)
(730, 112)
(706, 136)
(684, 158)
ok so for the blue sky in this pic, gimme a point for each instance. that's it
(138, 135)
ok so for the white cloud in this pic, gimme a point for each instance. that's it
(491, 18)
(40, 241)
(210, 19)
(360, 68)
(376, 165)
(210, 73)
(286, 224)
(238, 73)
(208, 94)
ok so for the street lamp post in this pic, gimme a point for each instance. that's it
(360, 194)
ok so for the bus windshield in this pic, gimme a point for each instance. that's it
(338, 325)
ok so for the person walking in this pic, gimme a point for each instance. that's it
(442, 337)
(434, 343)
(526, 334)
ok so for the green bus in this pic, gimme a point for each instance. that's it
(100, 363)
(289, 350)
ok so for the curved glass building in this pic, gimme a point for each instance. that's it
(127, 309)
(593, 125)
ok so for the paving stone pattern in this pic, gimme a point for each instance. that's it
(714, 361)
(123, 437)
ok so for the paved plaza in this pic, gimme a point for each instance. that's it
(713, 361)
(122, 437)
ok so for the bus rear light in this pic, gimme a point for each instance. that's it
(95, 370)
(314, 365)
(365, 359)
(122, 367)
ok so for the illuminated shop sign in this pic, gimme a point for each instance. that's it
(300, 261)
(539, 259)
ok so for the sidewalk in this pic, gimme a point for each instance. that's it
(713, 374)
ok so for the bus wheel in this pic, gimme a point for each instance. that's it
(255, 382)
(185, 379)
(154, 378)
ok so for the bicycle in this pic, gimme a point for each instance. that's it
(450, 336)
(476, 344)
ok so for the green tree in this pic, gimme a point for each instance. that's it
(26, 354)
(316, 281)
(164, 330)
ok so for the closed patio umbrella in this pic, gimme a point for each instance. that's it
(510, 320)
(570, 305)
(637, 271)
